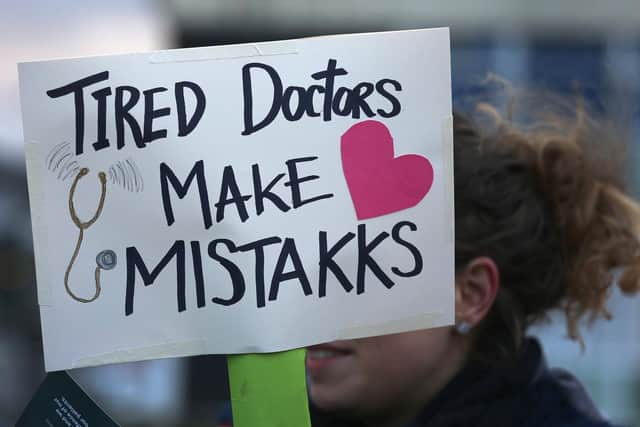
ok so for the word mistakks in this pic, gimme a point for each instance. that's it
(295, 101)
(222, 252)
(126, 97)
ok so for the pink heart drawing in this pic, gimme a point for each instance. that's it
(380, 183)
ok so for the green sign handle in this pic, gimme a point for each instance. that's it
(269, 390)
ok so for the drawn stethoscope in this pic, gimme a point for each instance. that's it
(105, 260)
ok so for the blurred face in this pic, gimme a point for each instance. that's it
(386, 376)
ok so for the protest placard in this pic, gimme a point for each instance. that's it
(240, 199)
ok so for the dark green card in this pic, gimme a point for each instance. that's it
(59, 401)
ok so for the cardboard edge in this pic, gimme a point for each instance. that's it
(447, 161)
(262, 45)
(422, 321)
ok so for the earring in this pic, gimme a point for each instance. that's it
(463, 328)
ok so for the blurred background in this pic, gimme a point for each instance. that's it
(555, 44)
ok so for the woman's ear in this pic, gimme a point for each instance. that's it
(476, 289)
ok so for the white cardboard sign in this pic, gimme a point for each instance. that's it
(236, 199)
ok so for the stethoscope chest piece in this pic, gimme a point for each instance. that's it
(107, 259)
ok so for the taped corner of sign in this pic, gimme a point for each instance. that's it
(160, 351)
(447, 157)
(413, 323)
(213, 53)
(43, 276)
(45, 298)
(31, 154)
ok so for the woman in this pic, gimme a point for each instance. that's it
(542, 223)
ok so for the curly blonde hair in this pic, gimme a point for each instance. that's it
(543, 196)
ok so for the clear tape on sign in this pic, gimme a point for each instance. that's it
(36, 197)
(171, 349)
(287, 47)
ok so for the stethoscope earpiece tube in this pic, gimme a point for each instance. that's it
(106, 259)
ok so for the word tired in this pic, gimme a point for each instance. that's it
(122, 108)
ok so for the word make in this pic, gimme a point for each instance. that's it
(231, 194)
